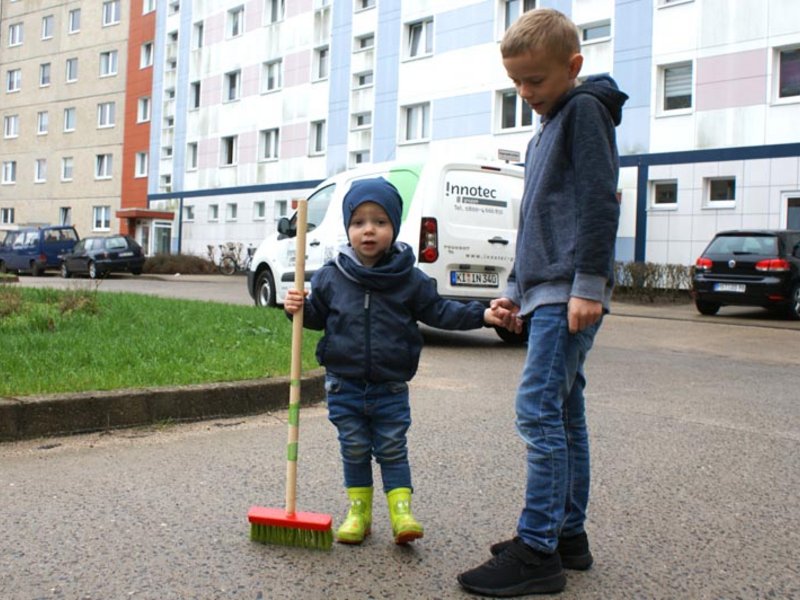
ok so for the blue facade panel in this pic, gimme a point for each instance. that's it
(387, 63)
(461, 116)
(563, 6)
(339, 86)
(465, 27)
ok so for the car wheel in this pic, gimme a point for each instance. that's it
(510, 337)
(137, 271)
(265, 289)
(706, 308)
(65, 271)
(794, 304)
(93, 273)
(3, 267)
(36, 269)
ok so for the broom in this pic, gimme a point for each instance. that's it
(286, 526)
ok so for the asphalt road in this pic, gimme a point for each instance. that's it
(695, 433)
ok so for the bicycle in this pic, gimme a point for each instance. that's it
(231, 260)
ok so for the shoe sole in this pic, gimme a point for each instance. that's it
(353, 541)
(582, 562)
(546, 585)
(407, 536)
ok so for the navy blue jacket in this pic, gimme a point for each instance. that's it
(370, 315)
(569, 215)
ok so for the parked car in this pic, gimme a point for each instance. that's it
(749, 268)
(36, 248)
(98, 256)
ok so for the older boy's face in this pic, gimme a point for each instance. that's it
(542, 79)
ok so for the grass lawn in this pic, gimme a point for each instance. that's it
(83, 340)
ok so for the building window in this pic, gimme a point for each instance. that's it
(148, 6)
(169, 122)
(677, 86)
(188, 212)
(141, 164)
(665, 193)
(596, 32)
(232, 81)
(228, 151)
(111, 12)
(365, 42)
(416, 119)
(44, 74)
(74, 21)
(364, 79)
(191, 156)
(106, 114)
(66, 168)
(259, 210)
(194, 95)
(789, 73)
(166, 151)
(9, 171)
(321, 63)
(420, 38)
(101, 218)
(48, 26)
(165, 183)
(42, 122)
(146, 56)
(65, 215)
(271, 76)
(364, 4)
(72, 70)
(108, 63)
(361, 120)
(514, 111)
(14, 80)
(6, 216)
(11, 126)
(236, 21)
(40, 170)
(15, 34)
(69, 119)
(174, 7)
(231, 211)
(721, 190)
(268, 144)
(275, 9)
(512, 9)
(143, 110)
(198, 32)
(280, 209)
(103, 165)
(213, 212)
(317, 137)
(358, 157)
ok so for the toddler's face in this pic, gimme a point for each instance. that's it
(370, 232)
(541, 78)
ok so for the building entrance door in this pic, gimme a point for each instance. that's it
(793, 211)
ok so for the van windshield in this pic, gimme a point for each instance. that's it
(318, 205)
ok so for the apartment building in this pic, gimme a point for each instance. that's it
(247, 104)
(61, 105)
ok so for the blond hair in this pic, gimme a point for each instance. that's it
(541, 29)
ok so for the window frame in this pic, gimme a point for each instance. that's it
(13, 81)
(274, 11)
(708, 184)
(101, 218)
(322, 58)
(654, 191)
(67, 168)
(109, 59)
(40, 170)
(521, 110)
(42, 118)
(661, 98)
(777, 75)
(106, 115)
(413, 51)
(143, 109)
(111, 13)
(103, 166)
(146, 54)
(229, 151)
(141, 164)
(317, 137)
(9, 132)
(73, 21)
(70, 115)
(9, 172)
(192, 150)
(269, 141)
(234, 26)
(48, 27)
(70, 65)
(271, 70)
(16, 34)
(586, 27)
(232, 93)
(422, 133)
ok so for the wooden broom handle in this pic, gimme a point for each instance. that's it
(297, 360)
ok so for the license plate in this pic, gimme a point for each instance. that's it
(474, 279)
(737, 288)
(125, 254)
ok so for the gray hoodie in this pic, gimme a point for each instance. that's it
(569, 215)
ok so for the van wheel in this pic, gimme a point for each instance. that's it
(513, 338)
(706, 308)
(36, 269)
(265, 289)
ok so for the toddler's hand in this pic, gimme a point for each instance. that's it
(293, 303)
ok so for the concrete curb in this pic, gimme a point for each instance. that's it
(64, 414)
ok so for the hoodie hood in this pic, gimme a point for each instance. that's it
(392, 270)
(602, 87)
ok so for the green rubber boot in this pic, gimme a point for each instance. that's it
(358, 522)
(404, 526)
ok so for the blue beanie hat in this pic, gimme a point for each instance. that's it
(376, 190)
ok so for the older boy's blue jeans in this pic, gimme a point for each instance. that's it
(372, 420)
(551, 420)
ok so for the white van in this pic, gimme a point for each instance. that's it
(460, 218)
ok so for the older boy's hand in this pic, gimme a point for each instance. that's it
(582, 312)
(293, 303)
(502, 312)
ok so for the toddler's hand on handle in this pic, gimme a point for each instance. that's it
(293, 303)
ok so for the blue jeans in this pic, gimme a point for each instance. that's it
(372, 420)
(551, 419)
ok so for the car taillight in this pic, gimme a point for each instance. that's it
(428, 240)
(772, 265)
(703, 264)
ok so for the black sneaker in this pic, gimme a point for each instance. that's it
(517, 570)
(574, 551)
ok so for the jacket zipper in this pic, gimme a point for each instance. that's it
(367, 344)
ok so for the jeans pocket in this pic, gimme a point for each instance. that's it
(397, 387)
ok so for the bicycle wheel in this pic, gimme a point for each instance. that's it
(227, 265)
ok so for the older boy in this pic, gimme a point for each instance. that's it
(561, 285)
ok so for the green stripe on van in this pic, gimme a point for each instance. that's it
(405, 179)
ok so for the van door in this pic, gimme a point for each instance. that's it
(476, 220)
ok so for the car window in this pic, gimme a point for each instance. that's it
(318, 206)
(79, 247)
(744, 244)
(115, 243)
(10, 237)
(31, 238)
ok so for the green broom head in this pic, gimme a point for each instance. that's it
(300, 529)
